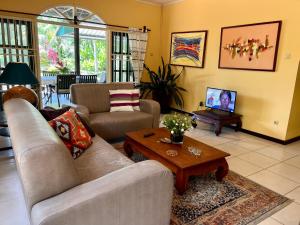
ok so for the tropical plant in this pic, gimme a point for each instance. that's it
(163, 86)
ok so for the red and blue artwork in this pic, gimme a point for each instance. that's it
(186, 48)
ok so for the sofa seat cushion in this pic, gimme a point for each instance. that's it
(111, 125)
(100, 159)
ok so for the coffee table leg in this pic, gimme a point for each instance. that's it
(222, 170)
(181, 182)
(128, 149)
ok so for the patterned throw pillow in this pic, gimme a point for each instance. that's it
(49, 113)
(72, 132)
(124, 100)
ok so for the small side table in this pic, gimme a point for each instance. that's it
(218, 118)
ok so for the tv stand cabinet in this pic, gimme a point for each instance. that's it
(217, 118)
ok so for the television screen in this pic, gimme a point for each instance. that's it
(220, 99)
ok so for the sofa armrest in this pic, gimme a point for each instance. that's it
(80, 109)
(151, 107)
(138, 194)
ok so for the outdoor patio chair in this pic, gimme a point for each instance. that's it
(87, 78)
(48, 88)
(63, 85)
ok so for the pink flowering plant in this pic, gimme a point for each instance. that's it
(176, 123)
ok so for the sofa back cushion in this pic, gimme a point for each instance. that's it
(95, 96)
(124, 100)
(44, 164)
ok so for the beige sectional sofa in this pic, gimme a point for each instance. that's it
(93, 102)
(101, 187)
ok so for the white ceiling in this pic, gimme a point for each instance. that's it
(159, 1)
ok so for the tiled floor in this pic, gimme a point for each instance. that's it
(272, 165)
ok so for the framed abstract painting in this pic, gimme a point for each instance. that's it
(188, 48)
(250, 47)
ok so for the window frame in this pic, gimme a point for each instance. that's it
(118, 53)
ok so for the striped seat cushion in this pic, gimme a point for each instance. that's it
(124, 100)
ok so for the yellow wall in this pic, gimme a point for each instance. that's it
(263, 97)
(294, 122)
(119, 12)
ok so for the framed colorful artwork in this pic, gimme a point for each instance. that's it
(188, 48)
(250, 47)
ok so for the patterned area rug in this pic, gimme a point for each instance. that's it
(234, 201)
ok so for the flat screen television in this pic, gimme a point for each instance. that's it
(220, 99)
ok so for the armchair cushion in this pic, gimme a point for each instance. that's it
(72, 132)
(95, 96)
(111, 125)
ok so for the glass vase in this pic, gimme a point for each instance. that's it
(176, 138)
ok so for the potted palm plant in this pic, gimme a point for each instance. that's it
(163, 87)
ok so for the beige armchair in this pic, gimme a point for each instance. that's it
(92, 102)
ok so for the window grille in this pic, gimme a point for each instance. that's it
(16, 42)
(121, 66)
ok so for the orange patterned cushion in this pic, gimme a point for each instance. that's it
(72, 132)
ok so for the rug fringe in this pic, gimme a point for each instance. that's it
(271, 212)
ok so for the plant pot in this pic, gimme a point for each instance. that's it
(176, 138)
(163, 100)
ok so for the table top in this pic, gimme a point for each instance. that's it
(184, 159)
(216, 114)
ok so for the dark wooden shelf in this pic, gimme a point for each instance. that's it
(218, 118)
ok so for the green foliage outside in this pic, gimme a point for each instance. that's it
(57, 53)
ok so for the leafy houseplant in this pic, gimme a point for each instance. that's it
(163, 87)
(177, 124)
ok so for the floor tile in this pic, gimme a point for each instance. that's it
(258, 159)
(8, 171)
(293, 147)
(260, 141)
(231, 136)
(276, 152)
(288, 171)
(213, 140)
(242, 167)
(294, 161)
(10, 189)
(294, 195)
(250, 145)
(270, 221)
(289, 215)
(14, 213)
(232, 148)
(196, 133)
(274, 182)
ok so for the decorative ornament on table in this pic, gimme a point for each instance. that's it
(177, 124)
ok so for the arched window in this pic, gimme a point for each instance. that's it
(71, 13)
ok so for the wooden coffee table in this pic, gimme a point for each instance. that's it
(185, 164)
